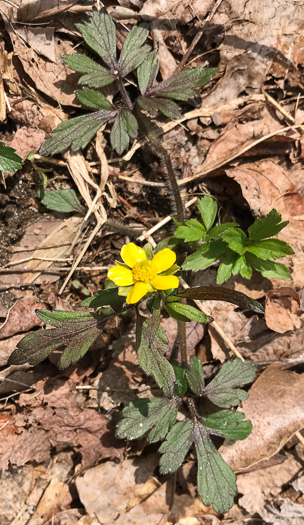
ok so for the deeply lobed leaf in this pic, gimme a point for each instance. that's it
(195, 375)
(133, 52)
(100, 35)
(208, 210)
(228, 424)
(96, 75)
(181, 86)
(176, 446)
(267, 227)
(147, 72)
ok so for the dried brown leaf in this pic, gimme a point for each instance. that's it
(281, 309)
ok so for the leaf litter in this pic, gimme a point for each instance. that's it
(228, 145)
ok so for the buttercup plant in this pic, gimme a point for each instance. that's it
(176, 416)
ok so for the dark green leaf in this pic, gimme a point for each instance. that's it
(195, 375)
(208, 254)
(268, 268)
(181, 385)
(176, 446)
(77, 331)
(76, 132)
(222, 390)
(236, 240)
(148, 105)
(107, 297)
(124, 127)
(153, 342)
(93, 99)
(181, 86)
(193, 230)
(145, 414)
(9, 160)
(227, 266)
(99, 33)
(189, 312)
(133, 52)
(220, 293)
(208, 210)
(216, 482)
(268, 227)
(270, 248)
(147, 72)
(130, 123)
(228, 424)
(61, 200)
(167, 107)
(216, 232)
(96, 75)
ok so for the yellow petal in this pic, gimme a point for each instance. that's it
(137, 293)
(165, 282)
(164, 260)
(131, 254)
(120, 275)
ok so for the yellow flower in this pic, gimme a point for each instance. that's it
(143, 274)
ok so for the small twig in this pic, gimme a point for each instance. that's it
(300, 437)
(215, 325)
(197, 37)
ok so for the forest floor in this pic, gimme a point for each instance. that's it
(242, 142)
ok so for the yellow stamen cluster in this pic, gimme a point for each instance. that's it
(144, 271)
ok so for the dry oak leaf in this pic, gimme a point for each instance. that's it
(275, 407)
(281, 309)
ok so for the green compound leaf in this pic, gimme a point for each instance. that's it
(270, 248)
(223, 391)
(124, 127)
(216, 481)
(75, 330)
(142, 415)
(227, 424)
(107, 297)
(100, 35)
(133, 52)
(9, 160)
(208, 210)
(153, 342)
(176, 446)
(96, 75)
(208, 254)
(167, 107)
(220, 293)
(181, 385)
(185, 312)
(268, 227)
(268, 268)
(236, 240)
(181, 86)
(216, 232)
(147, 72)
(195, 375)
(76, 132)
(93, 99)
(193, 230)
(64, 201)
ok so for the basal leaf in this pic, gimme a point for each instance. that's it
(153, 342)
(227, 266)
(228, 424)
(270, 248)
(189, 313)
(216, 481)
(96, 75)
(181, 385)
(100, 35)
(223, 391)
(220, 293)
(93, 99)
(195, 375)
(147, 72)
(142, 415)
(268, 268)
(208, 210)
(208, 254)
(192, 231)
(216, 232)
(75, 133)
(9, 160)
(130, 123)
(181, 86)
(267, 227)
(124, 127)
(64, 201)
(133, 52)
(176, 446)
(236, 240)
(76, 331)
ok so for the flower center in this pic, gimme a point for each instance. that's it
(144, 271)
